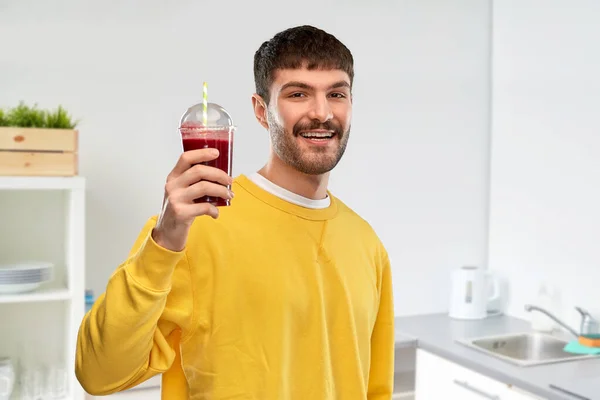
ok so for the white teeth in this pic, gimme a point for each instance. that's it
(317, 135)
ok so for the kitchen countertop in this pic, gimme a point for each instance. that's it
(436, 333)
(403, 340)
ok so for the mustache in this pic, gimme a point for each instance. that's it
(327, 125)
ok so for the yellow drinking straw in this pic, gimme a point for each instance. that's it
(205, 105)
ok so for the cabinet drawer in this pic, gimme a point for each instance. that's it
(467, 379)
(438, 378)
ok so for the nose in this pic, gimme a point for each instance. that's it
(320, 109)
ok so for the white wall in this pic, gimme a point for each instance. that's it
(416, 166)
(545, 191)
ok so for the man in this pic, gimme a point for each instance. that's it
(285, 294)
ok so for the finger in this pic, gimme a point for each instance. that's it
(206, 209)
(192, 210)
(206, 188)
(203, 172)
(191, 157)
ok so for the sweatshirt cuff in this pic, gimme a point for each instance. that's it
(153, 265)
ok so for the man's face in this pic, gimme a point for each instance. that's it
(309, 117)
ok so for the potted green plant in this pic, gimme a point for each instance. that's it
(37, 142)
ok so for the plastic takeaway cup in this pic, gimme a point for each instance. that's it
(217, 133)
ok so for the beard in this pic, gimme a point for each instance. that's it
(316, 161)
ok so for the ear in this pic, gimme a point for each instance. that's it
(260, 110)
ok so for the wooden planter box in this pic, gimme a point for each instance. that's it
(38, 152)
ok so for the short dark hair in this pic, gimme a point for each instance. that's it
(295, 47)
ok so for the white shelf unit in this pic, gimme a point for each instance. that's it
(43, 219)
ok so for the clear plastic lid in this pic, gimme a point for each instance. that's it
(217, 117)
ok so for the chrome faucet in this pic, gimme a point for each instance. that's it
(530, 307)
(589, 325)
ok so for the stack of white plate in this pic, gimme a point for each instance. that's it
(24, 276)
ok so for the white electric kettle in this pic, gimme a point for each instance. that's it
(472, 291)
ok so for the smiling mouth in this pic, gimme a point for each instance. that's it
(318, 135)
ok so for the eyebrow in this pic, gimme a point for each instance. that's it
(303, 85)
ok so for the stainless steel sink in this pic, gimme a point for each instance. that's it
(524, 349)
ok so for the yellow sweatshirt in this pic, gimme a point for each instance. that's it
(271, 301)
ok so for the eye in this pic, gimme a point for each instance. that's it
(296, 95)
(338, 95)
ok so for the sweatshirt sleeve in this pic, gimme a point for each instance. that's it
(131, 331)
(381, 374)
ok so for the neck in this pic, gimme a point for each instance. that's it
(309, 186)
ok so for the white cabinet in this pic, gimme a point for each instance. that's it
(433, 379)
(43, 219)
(514, 393)
(438, 378)
(441, 379)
